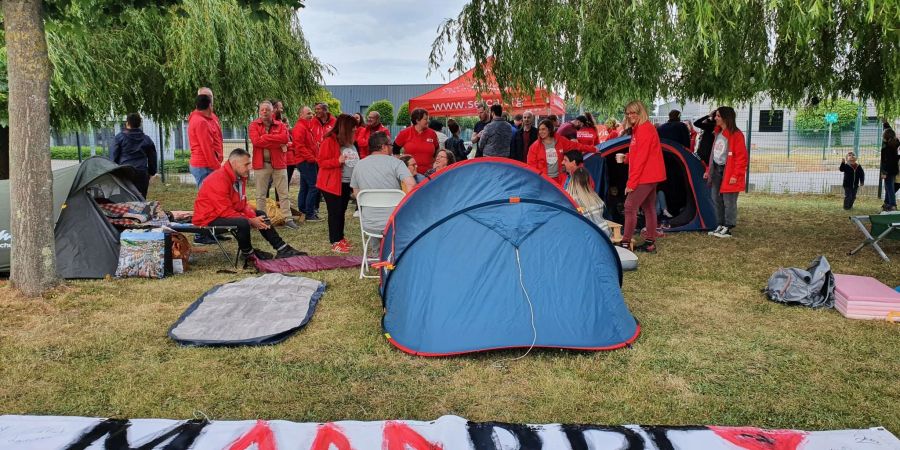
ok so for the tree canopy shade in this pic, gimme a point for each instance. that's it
(123, 57)
(154, 61)
(609, 52)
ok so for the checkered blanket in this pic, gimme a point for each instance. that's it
(143, 214)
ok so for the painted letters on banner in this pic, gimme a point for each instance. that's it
(445, 433)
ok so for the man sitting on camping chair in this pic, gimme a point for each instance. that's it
(222, 201)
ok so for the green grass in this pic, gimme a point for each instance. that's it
(713, 349)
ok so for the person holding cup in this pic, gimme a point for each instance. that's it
(645, 170)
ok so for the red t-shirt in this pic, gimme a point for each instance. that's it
(588, 136)
(421, 146)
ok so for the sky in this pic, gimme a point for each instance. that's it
(376, 41)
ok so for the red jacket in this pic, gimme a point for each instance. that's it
(290, 158)
(271, 140)
(362, 138)
(588, 135)
(645, 159)
(537, 155)
(221, 195)
(205, 140)
(329, 178)
(735, 162)
(304, 146)
(319, 129)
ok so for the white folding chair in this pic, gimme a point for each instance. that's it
(373, 198)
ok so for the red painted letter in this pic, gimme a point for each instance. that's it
(330, 434)
(260, 434)
(399, 436)
(760, 439)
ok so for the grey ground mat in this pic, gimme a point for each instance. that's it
(255, 311)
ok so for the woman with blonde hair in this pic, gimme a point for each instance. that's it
(592, 207)
(645, 170)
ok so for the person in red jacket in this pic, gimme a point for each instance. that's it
(546, 153)
(645, 170)
(321, 124)
(270, 147)
(373, 125)
(587, 134)
(222, 201)
(727, 170)
(204, 137)
(337, 158)
(290, 159)
(418, 140)
(306, 151)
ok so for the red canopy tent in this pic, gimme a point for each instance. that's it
(459, 98)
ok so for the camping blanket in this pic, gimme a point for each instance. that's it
(135, 213)
(142, 254)
(254, 311)
(307, 263)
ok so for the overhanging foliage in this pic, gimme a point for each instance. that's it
(609, 52)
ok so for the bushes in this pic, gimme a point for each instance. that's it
(403, 118)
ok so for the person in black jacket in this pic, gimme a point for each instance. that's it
(454, 143)
(523, 138)
(708, 125)
(890, 166)
(133, 148)
(854, 177)
(675, 130)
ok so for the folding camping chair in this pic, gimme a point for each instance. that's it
(211, 231)
(884, 226)
(373, 198)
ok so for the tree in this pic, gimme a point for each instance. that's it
(403, 119)
(385, 108)
(609, 53)
(29, 73)
(811, 119)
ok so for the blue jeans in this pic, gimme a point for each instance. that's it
(200, 174)
(890, 196)
(308, 197)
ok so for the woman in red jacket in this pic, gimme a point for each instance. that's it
(546, 153)
(418, 140)
(727, 170)
(645, 170)
(337, 157)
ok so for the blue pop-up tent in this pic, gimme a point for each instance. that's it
(687, 195)
(489, 254)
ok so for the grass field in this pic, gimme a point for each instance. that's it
(713, 349)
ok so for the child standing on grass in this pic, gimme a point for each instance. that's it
(854, 177)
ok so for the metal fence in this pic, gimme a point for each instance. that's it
(786, 160)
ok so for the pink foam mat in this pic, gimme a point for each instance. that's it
(855, 288)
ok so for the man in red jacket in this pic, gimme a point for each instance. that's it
(222, 201)
(321, 124)
(270, 147)
(204, 137)
(306, 152)
(373, 125)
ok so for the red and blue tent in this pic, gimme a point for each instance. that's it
(687, 195)
(490, 254)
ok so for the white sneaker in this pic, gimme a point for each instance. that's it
(725, 232)
(356, 213)
(716, 231)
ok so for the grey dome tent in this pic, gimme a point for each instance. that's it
(87, 245)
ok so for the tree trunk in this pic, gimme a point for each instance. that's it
(33, 258)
